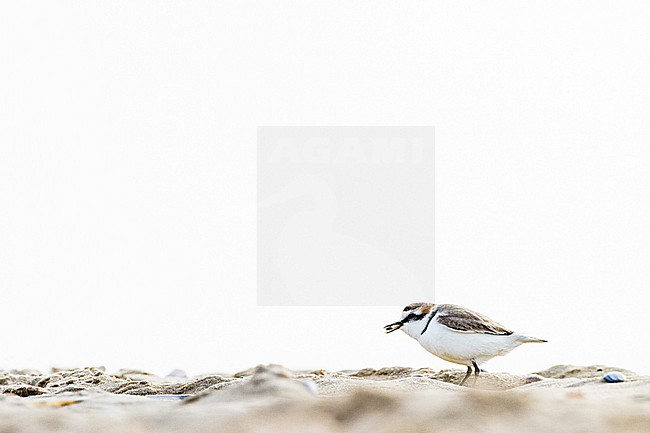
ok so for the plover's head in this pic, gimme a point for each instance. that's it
(413, 319)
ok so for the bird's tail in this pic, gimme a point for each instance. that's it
(527, 339)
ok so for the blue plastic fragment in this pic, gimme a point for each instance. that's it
(169, 396)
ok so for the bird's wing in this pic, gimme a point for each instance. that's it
(465, 320)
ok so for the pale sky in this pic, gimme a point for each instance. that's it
(128, 175)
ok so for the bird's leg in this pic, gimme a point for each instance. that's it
(469, 371)
(476, 371)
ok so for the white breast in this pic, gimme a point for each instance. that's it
(463, 347)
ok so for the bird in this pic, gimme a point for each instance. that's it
(458, 334)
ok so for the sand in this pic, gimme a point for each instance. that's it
(273, 399)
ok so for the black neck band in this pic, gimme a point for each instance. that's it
(428, 321)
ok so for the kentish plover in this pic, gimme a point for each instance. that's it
(457, 334)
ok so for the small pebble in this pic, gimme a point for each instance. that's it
(177, 373)
(310, 385)
(614, 376)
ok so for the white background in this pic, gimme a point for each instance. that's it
(127, 174)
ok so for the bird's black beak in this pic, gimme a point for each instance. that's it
(392, 327)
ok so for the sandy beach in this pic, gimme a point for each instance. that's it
(271, 398)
